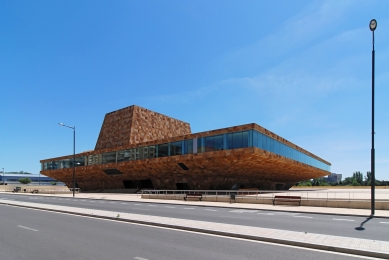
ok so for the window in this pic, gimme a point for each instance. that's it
(124, 155)
(238, 140)
(188, 144)
(163, 150)
(176, 148)
(109, 157)
(80, 161)
(152, 151)
(200, 145)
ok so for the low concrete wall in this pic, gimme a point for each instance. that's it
(41, 188)
(333, 203)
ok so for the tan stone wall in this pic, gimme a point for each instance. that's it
(133, 125)
(116, 129)
(148, 126)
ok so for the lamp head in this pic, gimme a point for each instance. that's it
(373, 25)
(61, 124)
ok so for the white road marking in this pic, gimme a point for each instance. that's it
(28, 228)
(140, 258)
(188, 208)
(266, 213)
(343, 219)
(102, 202)
(82, 200)
(113, 202)
(211, 209)
(170, 207)
(235, 217)
(138, 204)
(384, 222)
(151, 205)
(244, 211)
(287, 214)
(302, 217)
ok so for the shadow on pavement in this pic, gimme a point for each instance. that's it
(361, 228)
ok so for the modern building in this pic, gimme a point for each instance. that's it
(36, 179)
(138, 148)
(334, 178)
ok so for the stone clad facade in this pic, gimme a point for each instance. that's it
(134, 124)
(138, 148)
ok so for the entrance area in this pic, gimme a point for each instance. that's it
(138, 184)
(182, 186)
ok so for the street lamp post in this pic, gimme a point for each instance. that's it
(373, 26)
(74, 156)
(3, 177)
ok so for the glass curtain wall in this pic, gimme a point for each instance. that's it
(269, 144)
(242, 139)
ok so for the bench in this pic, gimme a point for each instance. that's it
(199, 196)
(34, 191)
(287, 199)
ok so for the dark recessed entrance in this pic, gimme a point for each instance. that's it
(279, 186)
(182, 186)
(138, 184)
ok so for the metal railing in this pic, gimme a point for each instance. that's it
(263, 194)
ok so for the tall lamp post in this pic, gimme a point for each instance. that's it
(3, 176)
(74, 156)
(373, 26)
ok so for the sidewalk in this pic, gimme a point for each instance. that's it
(288, 208)
(349, 245)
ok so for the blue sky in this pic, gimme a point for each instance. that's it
(301, 69)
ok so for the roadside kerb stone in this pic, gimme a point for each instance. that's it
(365, 247)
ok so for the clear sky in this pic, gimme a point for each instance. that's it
(301, 69)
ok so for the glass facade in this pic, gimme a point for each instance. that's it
(269, 144)
(65, 163)
(235, 140)
(109, 157)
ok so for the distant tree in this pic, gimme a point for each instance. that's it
(53, 183)
(358, 177)
(348, 181)
(304, 183)
(25, 180)
(368, 178)
(355, 183)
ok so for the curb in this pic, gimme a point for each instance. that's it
(368, 253)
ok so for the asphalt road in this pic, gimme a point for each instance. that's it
(349, 226)
(36, 235)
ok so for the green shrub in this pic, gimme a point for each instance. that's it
(25, 180)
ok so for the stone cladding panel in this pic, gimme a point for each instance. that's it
(133, 125)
